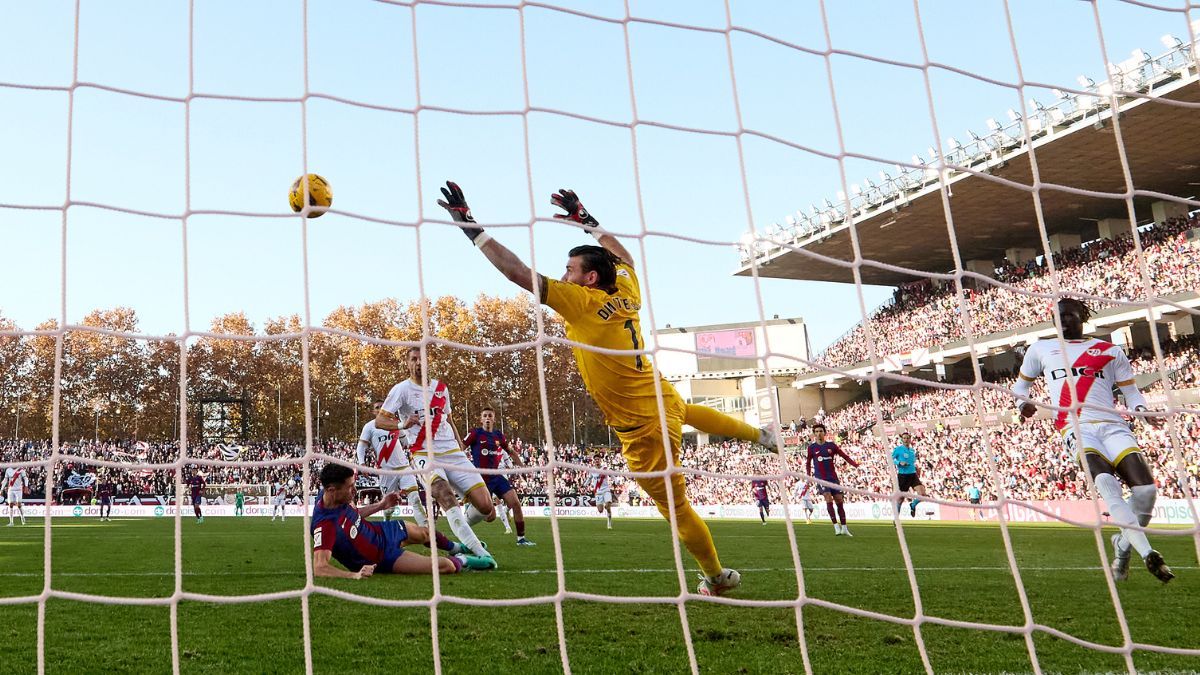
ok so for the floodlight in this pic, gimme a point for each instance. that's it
(1085, 82)
(953, 143)
(1013, 115)
(1060, 94)
(1170, 41)
(855, 189)
(1037, 105)
(993, 124)
(1140, 55)
(841, 196)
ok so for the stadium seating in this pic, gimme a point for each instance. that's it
(921, 316)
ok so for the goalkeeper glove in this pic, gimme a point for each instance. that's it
(456, 204)
(568, 201)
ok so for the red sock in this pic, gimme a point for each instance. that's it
(832, 515)
(520, 523)
(841, 509)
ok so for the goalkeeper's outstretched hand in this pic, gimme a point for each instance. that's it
(568, 201)
(456, 203)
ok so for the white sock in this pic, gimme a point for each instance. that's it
(460, 528)
(504, 518)
(609, 514)
(414, 500)
(473, 515)
(1141, 500)
(1122, 515)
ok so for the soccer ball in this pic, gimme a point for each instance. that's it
(320, 195)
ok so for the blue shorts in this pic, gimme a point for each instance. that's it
(498, 485)
(828, 490)
(394, 534)
(106, 501)
(764, 503)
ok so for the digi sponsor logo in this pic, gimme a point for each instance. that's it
(158, 511)
(77, 511)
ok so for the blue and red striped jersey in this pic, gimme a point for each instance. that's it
(820, 462)
(487, 447)
(353, 540)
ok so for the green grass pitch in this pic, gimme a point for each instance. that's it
(962, 572)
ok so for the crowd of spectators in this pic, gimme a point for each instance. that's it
(1026, 460)
(922, 316)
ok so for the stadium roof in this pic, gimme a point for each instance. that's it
(903, 222)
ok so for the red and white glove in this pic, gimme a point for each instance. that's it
(568, 201)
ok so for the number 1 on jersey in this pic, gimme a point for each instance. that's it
(634, 336)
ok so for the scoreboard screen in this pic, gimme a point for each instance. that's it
(738, 342)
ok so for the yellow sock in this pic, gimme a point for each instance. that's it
(693, 531)
(708, 420)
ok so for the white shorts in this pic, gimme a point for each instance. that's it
(279, 500)
(806, 504)
(604, 497)
(1111, 440)
(454, 468)
(14, 496)
(402, 482)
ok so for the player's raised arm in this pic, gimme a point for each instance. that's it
(568, 201)
(501, 258)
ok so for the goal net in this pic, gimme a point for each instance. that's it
(175, 321)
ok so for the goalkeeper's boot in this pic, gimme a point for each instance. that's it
(912, 509)
(1158, 567)
(1121, 556)
(477, 562)
(766, 437)
(522, 541)
(720, 584)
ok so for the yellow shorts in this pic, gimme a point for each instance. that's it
(644, 450)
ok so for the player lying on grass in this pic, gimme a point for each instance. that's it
(341, 532)
(599, 299)
(1083, 376)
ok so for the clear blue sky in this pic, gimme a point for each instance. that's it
(130, 151)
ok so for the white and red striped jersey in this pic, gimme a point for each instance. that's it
(1085, 374)
(15, 478)
(600, 482)
(389, 450)
(409, 398)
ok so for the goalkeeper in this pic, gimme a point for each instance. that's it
(599, 298)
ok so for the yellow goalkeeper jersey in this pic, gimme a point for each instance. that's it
(621, 384)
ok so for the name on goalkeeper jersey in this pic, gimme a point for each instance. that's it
(615, 305)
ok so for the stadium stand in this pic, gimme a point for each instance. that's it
(921, 315)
